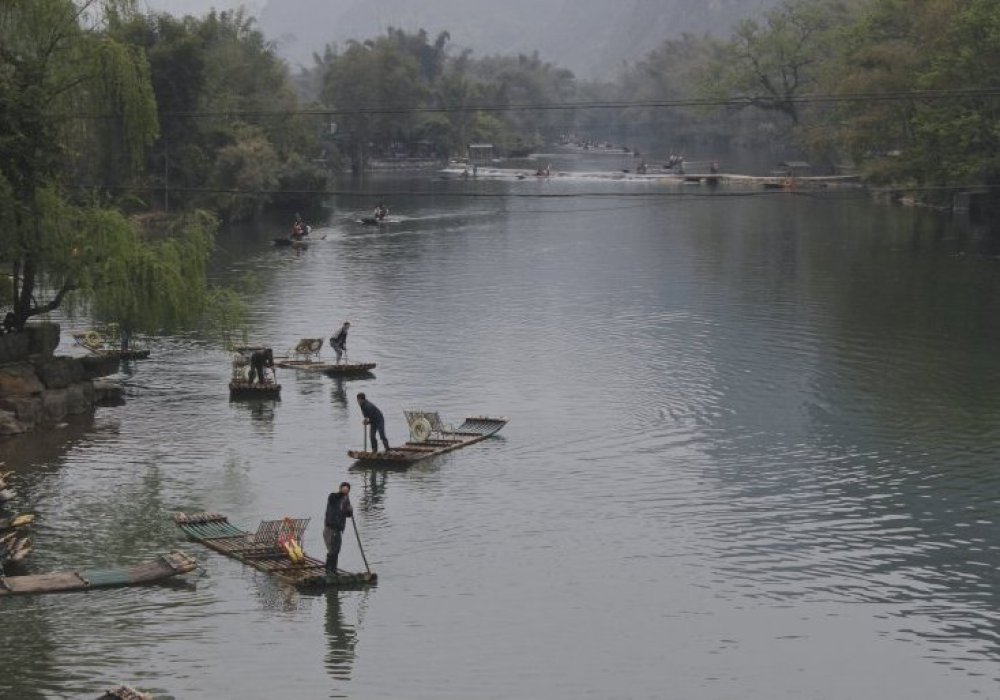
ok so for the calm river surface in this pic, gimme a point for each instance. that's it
(753, 454)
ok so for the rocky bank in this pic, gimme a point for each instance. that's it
(38, 388)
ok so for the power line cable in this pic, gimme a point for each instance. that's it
(739, 101)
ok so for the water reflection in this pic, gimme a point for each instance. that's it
(338, 392)
(373, 490)
(341, 638)
(261, 413)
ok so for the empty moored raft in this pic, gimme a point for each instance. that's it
(104, 346)
(261, 550)
(164, 567)
(430, 438)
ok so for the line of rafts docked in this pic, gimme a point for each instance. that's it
(253, 371)
(15, 544)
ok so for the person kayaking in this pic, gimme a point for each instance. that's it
(299, 227)
(374, 420)
(339, 341)
(338, 510)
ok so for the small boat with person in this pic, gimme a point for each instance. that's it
(305, 357)
(275, 548)
(429, 437)
(253, 375)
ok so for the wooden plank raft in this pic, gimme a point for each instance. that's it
(431, 438)
(261, 551)
(164, 567)
(242, 389)
(124, 692)
(16, 521)
(331, 369)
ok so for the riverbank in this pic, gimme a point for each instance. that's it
(38, 388)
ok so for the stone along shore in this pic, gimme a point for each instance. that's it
(38, 388)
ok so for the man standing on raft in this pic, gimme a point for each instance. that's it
(374, 420)
(339, 341)
(338, 510)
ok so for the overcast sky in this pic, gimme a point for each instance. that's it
(199, 7)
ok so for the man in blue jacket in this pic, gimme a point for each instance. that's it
(338, 510)
(374, 420)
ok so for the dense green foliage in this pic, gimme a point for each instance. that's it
(862, 81)
(52, 68)
(229, 140)
(405, 95)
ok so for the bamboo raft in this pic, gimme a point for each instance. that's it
(7, 491)
(260, 550)
(242, 389)
(430, 438)
(124, 692)
(16, 521)
(240, 386)
(103, 345)
(166, 566)
(14, 544)
(330, 369)
(305, 357)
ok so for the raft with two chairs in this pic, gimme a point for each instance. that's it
(430, 438)
(305, 357)
(263, 550)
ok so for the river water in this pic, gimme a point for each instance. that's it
(752, 454)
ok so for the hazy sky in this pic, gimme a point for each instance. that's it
(594, 38)
(199, 7)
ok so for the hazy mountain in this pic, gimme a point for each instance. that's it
(591, 37)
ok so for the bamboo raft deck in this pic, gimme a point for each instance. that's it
(166, 566)
(124, 692)
(431, 439)
(102, 346)
(331, 369)
(260, 550)
(243, 389)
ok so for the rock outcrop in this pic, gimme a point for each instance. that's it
(38, 388)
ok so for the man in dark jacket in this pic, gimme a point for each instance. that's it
(374, 420)
(338, 510)
(258, 361)
(339, 341)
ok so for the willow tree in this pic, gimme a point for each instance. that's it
(68, 93)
